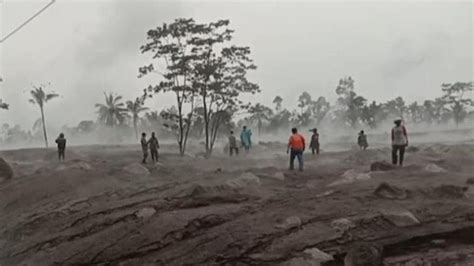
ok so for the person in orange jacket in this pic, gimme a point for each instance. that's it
(296, 147)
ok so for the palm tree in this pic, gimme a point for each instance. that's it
(40, 97)
(37, 125)
(135, 108)
(259, 113)
(113, 112)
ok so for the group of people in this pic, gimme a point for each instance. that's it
(245, 141)
(399, 138)
(296, 144)
(151, 144)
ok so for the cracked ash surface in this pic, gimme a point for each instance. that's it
(100, 207)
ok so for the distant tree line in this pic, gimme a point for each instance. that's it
(207, 75)
(352, 110)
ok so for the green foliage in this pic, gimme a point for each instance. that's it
(220, 77)
(3, 105)
(277, 101)
(373, 114)
(259, 113)
(396, 108)
(134, 109)
(198, 66)
(172, 47)
(455, 98)
(113, 112)
(351, 105)
(40, 97)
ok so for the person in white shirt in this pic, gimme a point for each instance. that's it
(399, 142)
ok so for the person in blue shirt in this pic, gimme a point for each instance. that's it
(246, 138)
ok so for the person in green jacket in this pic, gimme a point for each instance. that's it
(246, 138)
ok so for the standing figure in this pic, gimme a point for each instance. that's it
(246, 138)
(154, 146)
(296, 147)
(61, 141)
(362, 140)
(399, 142)
(314, 144)
(233, 144)
(144, 144)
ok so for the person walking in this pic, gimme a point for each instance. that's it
(233, 144)
(154, 146)
(362, 140)
(314, 144)
(144, 144)
(246, 138)
(399, 142)
(61, 141)
(296, 147)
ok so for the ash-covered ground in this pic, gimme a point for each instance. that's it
(102, 206)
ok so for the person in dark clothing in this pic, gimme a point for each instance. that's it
(314, 144)
(362, 140)
(296, 144)
(154, 146)
(61, 141)
(144, 144)
(399, 142)
(233, 144)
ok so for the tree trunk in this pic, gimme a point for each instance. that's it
(206, 124)
(44, 127)
(181, 126)
(136, 129)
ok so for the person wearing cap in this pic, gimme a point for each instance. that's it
(314, 144)
(399, 142)
(233, 144)
(362, 140)
(296, 147)
(61, 141)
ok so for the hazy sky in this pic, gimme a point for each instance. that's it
(85, 48)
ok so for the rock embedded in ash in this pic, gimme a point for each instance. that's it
(433, 168)
(388, 191)
(364, 254)
(448, 192)
(279, 176)
(290, 222)
(244, 180)
(317, 256)
(438, 242)
(299, 262)
(6, 171)
(400, 218)
(382, 166)
(350, 176)
(470, 181)
(136, 169)
(145, 212)
(342, 225)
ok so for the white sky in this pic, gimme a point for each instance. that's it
(83, 48)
